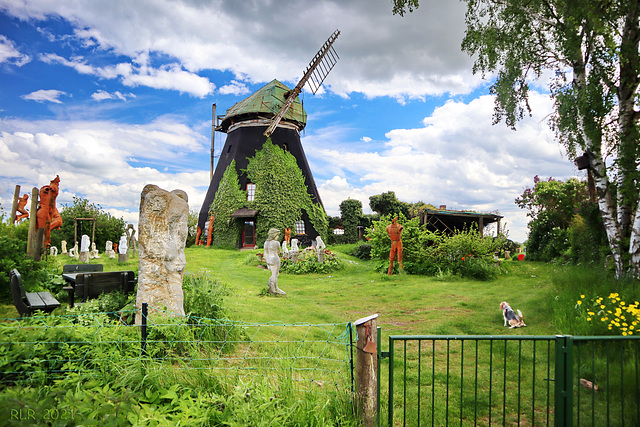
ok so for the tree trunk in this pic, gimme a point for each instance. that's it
(634, 245)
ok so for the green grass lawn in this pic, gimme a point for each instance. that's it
(405, 304)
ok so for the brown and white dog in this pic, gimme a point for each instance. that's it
(510, 316)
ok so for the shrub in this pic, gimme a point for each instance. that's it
(464, 253)
(308, 263)
(362, 252)
(13, 248)
(203, 296)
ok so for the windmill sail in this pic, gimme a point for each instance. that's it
(316, 72)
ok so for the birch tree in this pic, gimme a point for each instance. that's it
(591, 49)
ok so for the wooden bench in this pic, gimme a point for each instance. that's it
(27, 303)
(90, 285)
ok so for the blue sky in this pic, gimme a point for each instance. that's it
(113, 95)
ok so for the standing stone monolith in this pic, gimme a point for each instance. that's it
(162, 235)
(123, 253)
(84, 249)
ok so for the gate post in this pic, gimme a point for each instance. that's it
(367, 368)
(564, 381)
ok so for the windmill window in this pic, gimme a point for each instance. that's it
(299, 227)
(251, 192)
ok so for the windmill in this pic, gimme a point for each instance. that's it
(274, 111)
(316, 72)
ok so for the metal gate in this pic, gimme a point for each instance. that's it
(510, 380)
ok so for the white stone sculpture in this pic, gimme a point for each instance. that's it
(293, 253)
(272, 257)
(162, 235)
(73, 253)
(84, 249)
(285, 251)
(53, 251)
(94, 254)
(122, 245)
(63, 247)
(108, 249)
(320, 247)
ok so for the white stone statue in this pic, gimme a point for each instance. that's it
(73, 252)
(293, 253)
(162, 235)
(94, 254)
(63, 247)
(285, 251)
(272, 257)
(320, 247)
(84, 243)
(83, 256)
(53, 251)
(122, 245)
(108, 249)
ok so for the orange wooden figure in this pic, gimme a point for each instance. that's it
(395, 231)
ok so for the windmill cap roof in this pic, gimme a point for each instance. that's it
(266, 103)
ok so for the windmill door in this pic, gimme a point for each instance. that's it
(249, 234)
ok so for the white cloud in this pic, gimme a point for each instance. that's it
(234, 88)
(105, 162)
(9, 53)
(169, 76)
(381, 54)
(102, 95)
(45, 95)
(457, 159)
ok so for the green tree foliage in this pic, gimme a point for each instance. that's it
(388, 204)
(593, 50)
(107, 226)
(227, 200)
(558, 226)
(281, 194)
(192, 228)
(351, 213)
(13, 247)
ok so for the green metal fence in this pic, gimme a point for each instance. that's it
(511, 380)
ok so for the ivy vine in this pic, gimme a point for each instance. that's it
(281, 194)
(229, 198)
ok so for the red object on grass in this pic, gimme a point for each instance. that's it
(520, 257)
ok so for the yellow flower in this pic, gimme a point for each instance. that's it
(582, 296)
(624, 333)
(588, 319)
(579, 302)
(602, 306)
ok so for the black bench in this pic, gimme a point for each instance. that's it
(27, 303)
(90, 285)
(81, 268)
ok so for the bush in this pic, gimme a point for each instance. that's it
(13, 248)
(203, 296)
(464, 253)
(308, 263)
(362, 252)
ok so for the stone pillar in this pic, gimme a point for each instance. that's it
(162, 235)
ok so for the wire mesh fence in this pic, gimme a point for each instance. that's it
(46, 348)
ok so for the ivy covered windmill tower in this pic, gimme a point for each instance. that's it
(262, 179)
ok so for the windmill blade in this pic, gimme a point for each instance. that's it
(318, 69)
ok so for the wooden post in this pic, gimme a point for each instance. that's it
(14, 206)
(367, 368)
(33, 221)
(37, 251)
